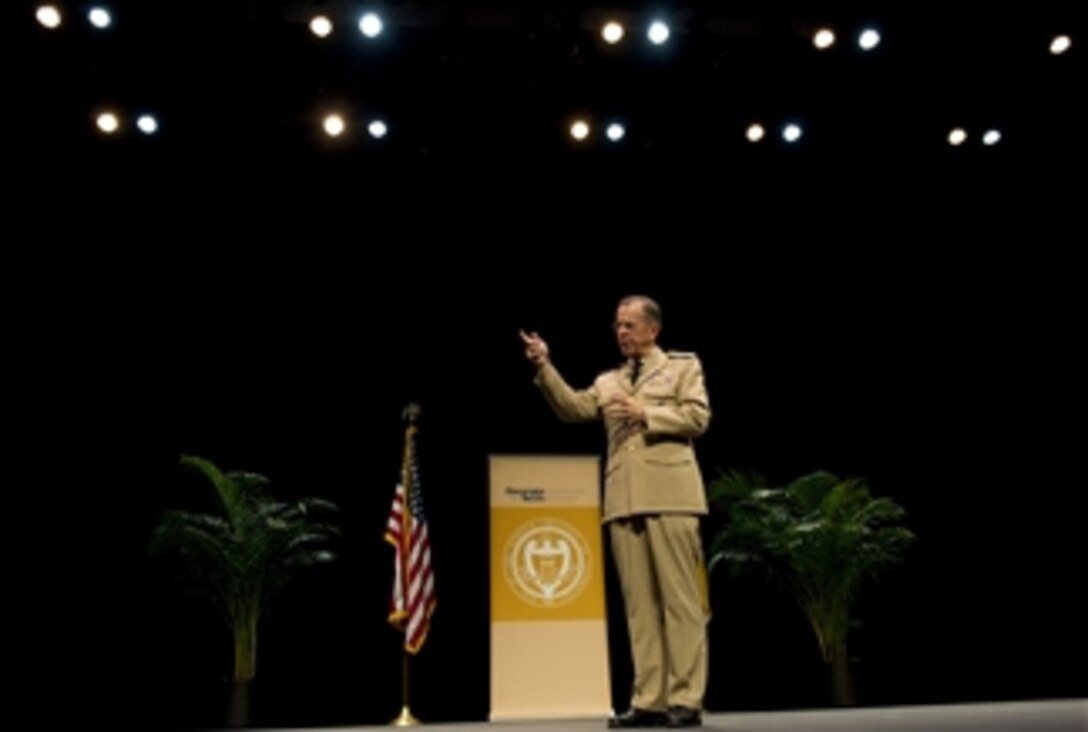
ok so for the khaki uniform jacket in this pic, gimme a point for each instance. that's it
(651, 467)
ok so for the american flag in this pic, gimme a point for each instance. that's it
(413, 598)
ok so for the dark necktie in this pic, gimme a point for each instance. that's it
(634, 371)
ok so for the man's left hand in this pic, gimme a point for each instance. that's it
(625, 407)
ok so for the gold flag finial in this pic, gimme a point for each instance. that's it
(411, 413)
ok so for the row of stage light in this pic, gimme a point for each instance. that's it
(658, 32)
(371, 25)
(613, 32)
(336, 126)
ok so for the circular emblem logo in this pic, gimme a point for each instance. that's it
(546, 562)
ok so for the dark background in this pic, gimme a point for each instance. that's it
(872, 302)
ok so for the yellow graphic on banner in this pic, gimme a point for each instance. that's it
(547, 558)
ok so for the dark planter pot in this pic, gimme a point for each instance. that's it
(843, 677)
(240, 703)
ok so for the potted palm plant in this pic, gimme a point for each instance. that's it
(241, 555)
(823, 538)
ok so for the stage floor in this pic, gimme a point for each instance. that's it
(1065, 715)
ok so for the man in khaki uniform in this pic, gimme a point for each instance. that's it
(653, 406)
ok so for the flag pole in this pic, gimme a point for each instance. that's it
(405, 719)
(410, 415)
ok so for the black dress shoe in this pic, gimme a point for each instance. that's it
(639, 718)
(683, 717)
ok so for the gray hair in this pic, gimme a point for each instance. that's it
(650, 308)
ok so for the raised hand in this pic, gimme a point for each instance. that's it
(536, 350)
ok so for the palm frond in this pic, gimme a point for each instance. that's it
(821, 536)
(732, 486)
(244, 556)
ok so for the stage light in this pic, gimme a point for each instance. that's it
(612, 32)
(48, 16)
(334, 125)
(823, 38)
(147, 124)
(320, 26)
(658, 32)
(377, 129)
(371, 25)
(1060, 45)
(108, 122)
(100, 17)
(868, 39)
